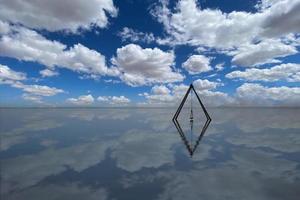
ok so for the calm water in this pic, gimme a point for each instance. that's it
(139, 154)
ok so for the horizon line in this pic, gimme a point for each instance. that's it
(136, 107)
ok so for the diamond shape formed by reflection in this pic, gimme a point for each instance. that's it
(190, 147)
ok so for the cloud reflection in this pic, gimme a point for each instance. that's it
(246, 155)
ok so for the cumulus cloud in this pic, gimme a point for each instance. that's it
(82, 59)
(28, 45)
(135, 36)
(237, 30)
(41, 90)
(120, 100)
(81, 100)
(289, 72)
(159, 94)
(34, 92)
(204, 84)
(189, 24)
(138, 66)
(116, 100)
(103, 98)
(48, 73)
(256, 94)
(8, 74)
(281, 18)
(261, 53)
(172, 95)
(160, 89)
(220, 66)
(55, 15)
(248, 94)
(195, 26)
(28, 97)
(4, 27)
(196, 64)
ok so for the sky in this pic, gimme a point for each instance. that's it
(147, 53)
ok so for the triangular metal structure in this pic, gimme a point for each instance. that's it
(188, 145)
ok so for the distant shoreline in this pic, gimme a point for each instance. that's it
(145, 107)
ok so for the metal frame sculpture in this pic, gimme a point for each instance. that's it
(191, 149)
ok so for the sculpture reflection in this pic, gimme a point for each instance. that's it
(189, 144)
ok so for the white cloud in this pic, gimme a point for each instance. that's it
(120, 100)
(135, 36)
(248, 94)
(196, 64)
(114, 100)
(28, 45)
(28, 97)
(81, 100)
(13, 78)
(112, 81)
(4, 27)
(160, 89)
(205, 84)
(161, 95)
(40, 90)
(220, 66)
(82, 59)
(281, 18)
(215, 98)
(139, 66)
(288, 72)
(256, 94)
(261, 53)
(292, 39)
(237, 31)
(103, 98)
(7, 74)
(55, 15)
(195, 26)
(48, 73)
(189, 24)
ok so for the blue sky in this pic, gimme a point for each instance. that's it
(146, 53)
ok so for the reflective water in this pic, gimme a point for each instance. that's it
(139, 154)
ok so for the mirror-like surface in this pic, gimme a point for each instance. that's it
(138, 154)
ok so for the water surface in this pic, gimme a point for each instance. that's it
(248, 153)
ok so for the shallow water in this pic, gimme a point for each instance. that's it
(248, 153)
